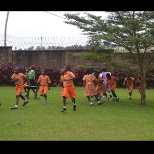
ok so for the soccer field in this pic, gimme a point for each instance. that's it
(111, 121)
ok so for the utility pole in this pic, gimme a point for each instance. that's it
(6, 28)
(41, 42)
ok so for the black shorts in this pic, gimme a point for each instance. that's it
(33, 84)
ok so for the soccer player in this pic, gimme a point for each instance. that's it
(18, 78)
(112, 82)
(32, 82)
(139, 81)
(44, 82)
(103, 75)
(100, 87)
(129, 82)
(68, 88)
(89, 87)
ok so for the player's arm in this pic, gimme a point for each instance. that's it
(84, 83)
(14, 79)
(124, 82)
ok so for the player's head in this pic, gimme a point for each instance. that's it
(88, 71)
(128, 76)
(108, 75)
(97, 74)
(16, 70)
(104, 69)
(66, 68)
(32, 67)
(43, 72)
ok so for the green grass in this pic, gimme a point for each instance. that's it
(125, 120)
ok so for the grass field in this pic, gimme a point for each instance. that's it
(125, 120)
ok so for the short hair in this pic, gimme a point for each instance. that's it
(128, 75)
(88, 71)
(67, 67)
(108, 75)
(33, 67)
(104, 69)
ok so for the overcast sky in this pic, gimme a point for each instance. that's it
(40, 24)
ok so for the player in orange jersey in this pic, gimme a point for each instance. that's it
(89, 87)
(18, 78)
(129, 82)
(100, 87)
(112, 81)
(44, 82)
(68, 88)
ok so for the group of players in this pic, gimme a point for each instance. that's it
(28, 82)
(94, 85)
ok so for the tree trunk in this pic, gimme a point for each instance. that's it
(143, 86)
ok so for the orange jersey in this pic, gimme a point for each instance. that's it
(89, 78)
(101, 89)
(99, 81)
(129, 81)
(112, 82)
(44, 80)
(20, 77)
(139, 81)
(68, 75)
(90, 88)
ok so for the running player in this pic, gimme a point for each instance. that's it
(129, 82)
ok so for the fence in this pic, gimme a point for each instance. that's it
(32, 43)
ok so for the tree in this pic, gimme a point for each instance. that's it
(132, 30)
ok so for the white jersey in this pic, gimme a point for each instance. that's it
(103, 75)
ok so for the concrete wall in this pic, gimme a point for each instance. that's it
(5, 54)
(47, 58)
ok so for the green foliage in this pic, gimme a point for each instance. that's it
(151, 69)
(132, 30)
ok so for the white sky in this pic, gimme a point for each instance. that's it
(40, 24)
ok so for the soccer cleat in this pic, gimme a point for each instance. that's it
(45, 102)
(100, 103)
(14, 108)
(25, 102)
(90, 104)
(63, 109)
(74, 107)
(130, 98)
(117, 99)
